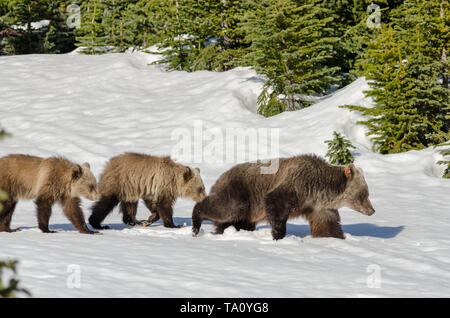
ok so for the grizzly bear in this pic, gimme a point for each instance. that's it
(304, 185)
(159, 181)
(48, 181)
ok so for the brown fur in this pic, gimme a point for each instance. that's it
(303, 186)
(47, 181)
(159, 181)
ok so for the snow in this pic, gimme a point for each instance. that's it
(34, 25)
(90, 108)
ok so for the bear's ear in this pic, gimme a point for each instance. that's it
(198, 170)
(77, 172)
(350, 170)
(86, 165)
(187, 174)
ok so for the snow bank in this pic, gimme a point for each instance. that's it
(90, 108)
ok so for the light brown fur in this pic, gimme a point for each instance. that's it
(159, 181)
(48, 181)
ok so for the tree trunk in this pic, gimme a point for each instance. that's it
(226, 41)
(444, 54)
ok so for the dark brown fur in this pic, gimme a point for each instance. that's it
(303, 186)
(48, 181)
(159, 181)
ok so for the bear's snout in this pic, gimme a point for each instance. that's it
(367, 208)
(200, 197)
(93, 196)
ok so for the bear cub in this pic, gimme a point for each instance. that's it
(304, 185)
(159, 181)
(48, 181)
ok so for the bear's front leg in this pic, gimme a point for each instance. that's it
(165, 211)
(325, 223)
(101, 209)
(129, 210)
(71, 207)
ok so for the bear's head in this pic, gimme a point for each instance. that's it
(356, 195)
(192, 185)
(84, 183)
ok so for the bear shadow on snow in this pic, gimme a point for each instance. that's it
(359, 229)
(300, 230)
(121, 226)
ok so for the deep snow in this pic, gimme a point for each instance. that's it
(90, 108)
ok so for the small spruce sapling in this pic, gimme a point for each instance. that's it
(10, 288)
(339, 150)
(446, 161)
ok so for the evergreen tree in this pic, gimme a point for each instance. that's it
(229, 44)
(431, 20)
(339, 150)
(171, 31)
(115, 23)
(22, 38)
(10, 288)
(358, 25)
(91, 34)
(3, 133)
(406, 84)
(141, 24)
(446, 161)
(20, 18)
(188, 26)
(292, 41)
(59, 38)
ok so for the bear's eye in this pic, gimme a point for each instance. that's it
(200, 190)
(91, 188)
(363, 196)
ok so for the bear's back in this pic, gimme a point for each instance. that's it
(133, 175)
(19, 174)
(309, 172)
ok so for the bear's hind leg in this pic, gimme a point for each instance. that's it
(245, 225)
(100, 210)
(129, 211)
(6, 215)
(278, 205)
(151, 206)
(44, 211)
(325, 223)
(221, 227)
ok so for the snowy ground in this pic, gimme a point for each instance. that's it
(90, 108)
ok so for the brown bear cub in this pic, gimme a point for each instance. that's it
(48, 181)
(159, 181)
(304, 185)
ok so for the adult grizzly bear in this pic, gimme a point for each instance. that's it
(304, 185)
(47, 181)
(159, 181)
